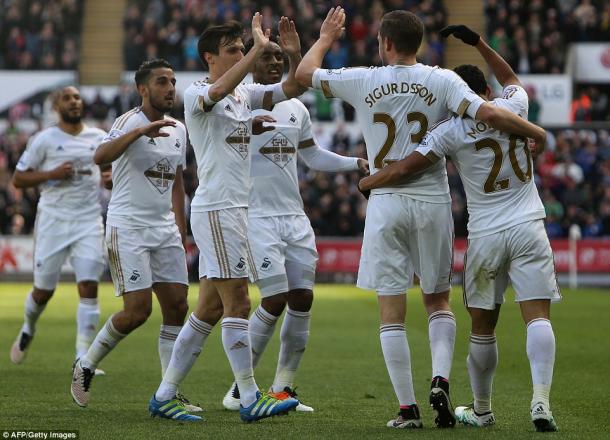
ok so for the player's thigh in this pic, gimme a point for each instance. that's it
(87, 253)
(385, 263)
(301, 253)
(167, 256)
(268, 254)
(129, 259)
(485, 272)
(222, 239)
(532, 268)
(52, 242)
(430, 244)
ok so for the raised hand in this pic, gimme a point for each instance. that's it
(289, 38)
(153, 129)
(257, 124)
(260, 37)
(462, 32)
(62, 172)
(333, 25)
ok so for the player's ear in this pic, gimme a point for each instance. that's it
(488, 92)
(209, 58)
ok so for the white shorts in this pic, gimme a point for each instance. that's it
(521, 254)
(403, 236)
(222, 239)
(142, 257)
(284, 251)
(56, 240)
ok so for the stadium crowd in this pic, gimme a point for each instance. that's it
(170, 28)
(533, 36)
(36, 34)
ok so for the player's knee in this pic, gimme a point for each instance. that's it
(300, 300)
(181, 308)
(41, 297)
(87, 289)
(436, 302)
(140, 316)
(274, 304)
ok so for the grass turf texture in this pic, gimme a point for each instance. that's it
(342, 374)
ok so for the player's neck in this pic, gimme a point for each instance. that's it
(70, 128)
(399, 59)
(152, 113)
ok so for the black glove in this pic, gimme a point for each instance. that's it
(462, 32)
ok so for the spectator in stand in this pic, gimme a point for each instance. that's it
(581, 108)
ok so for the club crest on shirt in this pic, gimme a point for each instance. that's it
(239, 139)
(293, 119)
(161, 175)
(279, 150)
(177, 144)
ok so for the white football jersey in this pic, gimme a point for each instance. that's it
(76, 198)
(275, 182)
(395, 106)
(220, 135)
(143, 176)
(496, 168)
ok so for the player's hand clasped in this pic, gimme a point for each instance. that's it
(62, 172)
(461, 32)
(333, 25)
(257, 124)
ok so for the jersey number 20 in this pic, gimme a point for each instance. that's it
(491, 183)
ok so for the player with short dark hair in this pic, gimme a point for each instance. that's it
(145, 227)
(506, 235)
(68, 221)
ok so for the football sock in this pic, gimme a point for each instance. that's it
(107, 338)
(541, 353)
(87, 319)
(167, 338)
(293, 340)
(397, 357)
(262, 325)
(32, 313)
(236, 342)
(441, 333)
(482, 362)
(187, 348)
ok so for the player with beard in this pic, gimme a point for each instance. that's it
(145, 226)
(68, 221)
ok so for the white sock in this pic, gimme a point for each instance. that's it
(167, 338)
(397, 357)
(441, 333)
(32, 313)
(87, 319)
(541, 353)
(186, 350)
(236, 341)
(482, 362)
(105, 341)
(262, 326)
(293, 340)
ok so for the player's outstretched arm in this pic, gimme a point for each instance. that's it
(508, 122)
(291, 45)
(110, 151)
(396, 172)
(500, 68)
(25, 179)
(236, 74)
(319, 159)
(331, 30)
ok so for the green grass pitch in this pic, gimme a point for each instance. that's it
(342, 374)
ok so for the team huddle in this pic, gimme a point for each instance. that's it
(248, 221)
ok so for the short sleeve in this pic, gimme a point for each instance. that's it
(34, 154)
(265, 96)
(197, 98)
(121, 125)
(342, 83)
(460, 98)
(514, 98)
(436, 144)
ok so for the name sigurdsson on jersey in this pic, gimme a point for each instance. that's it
(400, 88)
